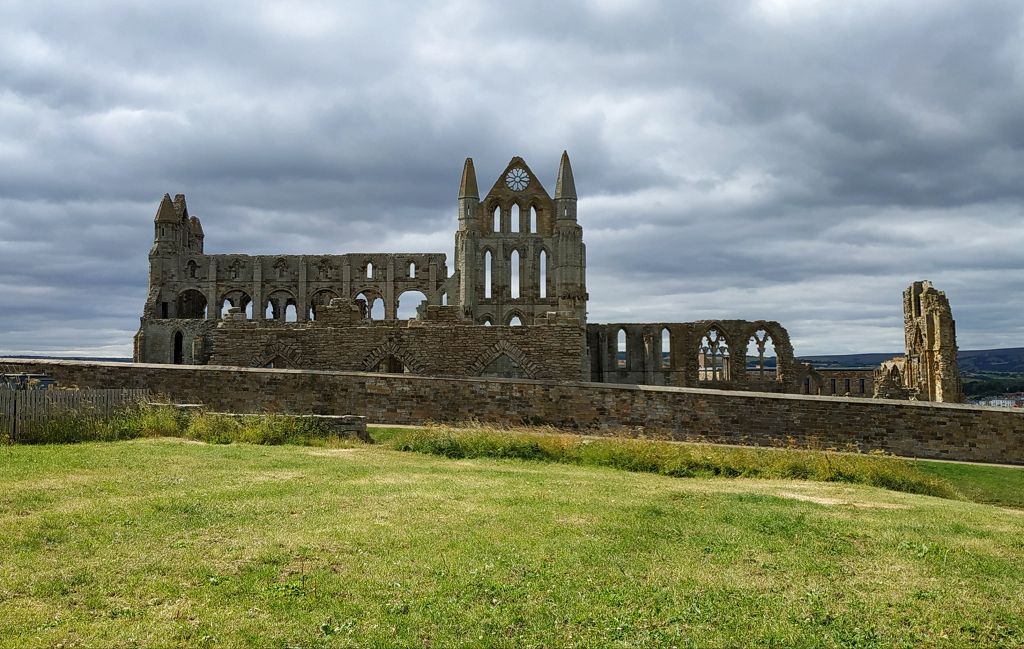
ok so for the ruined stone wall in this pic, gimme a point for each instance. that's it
(931, 372)
(928, 430)
(889, 382)
(272, 283)
(173, 340)
(426, 349)
(928, 371)
(440, 342)
(688, 361)
(851, 382)
(185, 284)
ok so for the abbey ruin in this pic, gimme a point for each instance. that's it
(514, 306)
(928, 371)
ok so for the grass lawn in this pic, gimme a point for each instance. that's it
(173, 543)
(997, 485)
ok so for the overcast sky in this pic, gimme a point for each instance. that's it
(794, 160)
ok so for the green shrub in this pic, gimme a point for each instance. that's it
(274, 429)
(158, 420)
(213, 429)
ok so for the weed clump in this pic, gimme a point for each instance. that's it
(87, 425)
(155, 420)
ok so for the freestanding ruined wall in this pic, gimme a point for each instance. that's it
(927, 430)
(928, 371)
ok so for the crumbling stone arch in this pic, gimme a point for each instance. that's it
(178, 354)
(369, 295)
(278, 354)
(235, 297)
(714, 354)
(324, 268)
(278, 302)
(191, 304)
(505, 348)
(512, 315)
(758, 344)
(321, 298)
(785, 365)
(280, 267)
(409, 294)
(410, 359)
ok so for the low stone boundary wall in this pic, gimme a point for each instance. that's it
(927, 430)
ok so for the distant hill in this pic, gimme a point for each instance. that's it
(980, 360)
(847, 360)
(100, 359)
(992, 360)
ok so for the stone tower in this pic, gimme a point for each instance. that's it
(177, 244)
(519, 252)
(930, 331)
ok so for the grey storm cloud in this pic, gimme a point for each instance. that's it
(797, 160)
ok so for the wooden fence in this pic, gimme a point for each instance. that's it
(20, 410)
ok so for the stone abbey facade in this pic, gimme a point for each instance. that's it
(515, 306)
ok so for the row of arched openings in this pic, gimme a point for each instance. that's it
(713, 355)
(323, 270)
(282, 306)
(369, 270)
(518, 222)
(515, 268)
(511, 320)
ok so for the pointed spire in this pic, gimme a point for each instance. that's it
(165, 213)
(197, 227)
(565, 186)
(468, 187)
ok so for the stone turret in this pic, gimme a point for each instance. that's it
(467, 235)
(571, 256)
(565, 192)
(167, 223)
